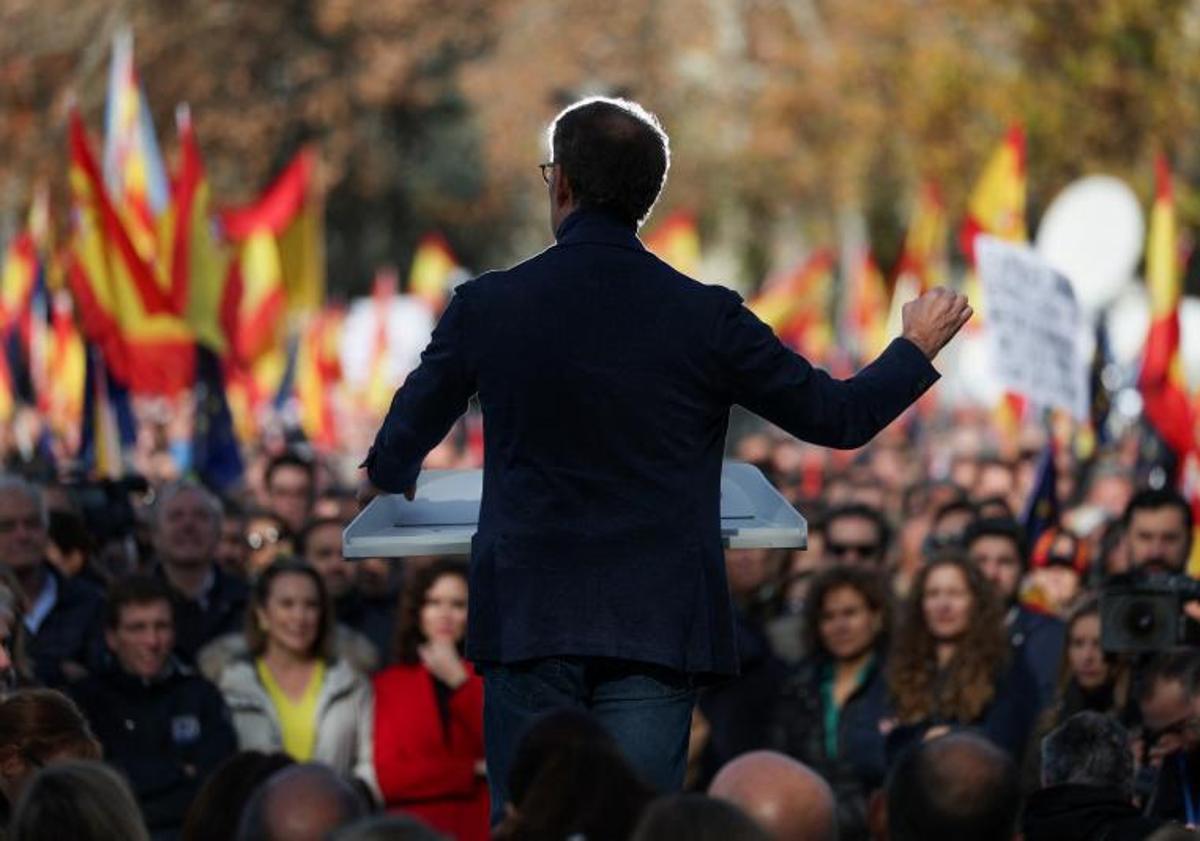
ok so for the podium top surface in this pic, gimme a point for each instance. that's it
(442, 518)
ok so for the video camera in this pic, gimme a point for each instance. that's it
(1143, 612)
(106, 507)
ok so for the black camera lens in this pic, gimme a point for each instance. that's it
(1141, 618)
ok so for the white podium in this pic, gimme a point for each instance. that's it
(442, 518)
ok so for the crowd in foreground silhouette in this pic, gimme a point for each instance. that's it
(218, 670)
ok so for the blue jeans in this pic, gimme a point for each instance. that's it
(647, 709)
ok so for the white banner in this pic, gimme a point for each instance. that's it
(1032, 323)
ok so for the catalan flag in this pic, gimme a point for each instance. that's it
(432, 273)
(676, 240)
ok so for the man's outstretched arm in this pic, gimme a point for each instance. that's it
(782, 387)
(423, 409)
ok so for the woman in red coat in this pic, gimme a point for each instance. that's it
(429, 711)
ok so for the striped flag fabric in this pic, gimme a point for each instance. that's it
(676, 240)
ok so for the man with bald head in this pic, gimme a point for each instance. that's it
(787, 798)
(954, 786)
(301, 803)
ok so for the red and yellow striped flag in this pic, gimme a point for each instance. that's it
(123, 307)
(924, 256)
(318, 372)
(1161, 381)
(676, 240)
(997, 204)
(796, 305)
(867, 309)
(997, 207)
(1166, 402)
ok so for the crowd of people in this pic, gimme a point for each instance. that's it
(921, 670)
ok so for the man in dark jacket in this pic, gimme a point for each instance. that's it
(64, 615)
(606, 379)
(997, 547)
(208, 601)
(1087, 778)
(162, 725)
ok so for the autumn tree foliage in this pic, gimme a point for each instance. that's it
(790, 119)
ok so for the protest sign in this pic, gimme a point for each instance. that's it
(1032, 322)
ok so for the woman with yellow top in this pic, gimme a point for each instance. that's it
(289, 693)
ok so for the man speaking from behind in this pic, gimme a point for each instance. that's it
(605, 378)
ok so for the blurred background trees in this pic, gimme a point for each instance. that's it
(794, 123)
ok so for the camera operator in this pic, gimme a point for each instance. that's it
(1158, 531)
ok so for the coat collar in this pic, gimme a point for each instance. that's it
(596, 226)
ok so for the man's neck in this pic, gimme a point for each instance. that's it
(190, 580)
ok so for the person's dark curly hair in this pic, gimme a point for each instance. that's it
(614, 154)
(408, 637)
(864, 582)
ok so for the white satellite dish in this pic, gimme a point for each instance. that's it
(1093, 232)
(1127, 322)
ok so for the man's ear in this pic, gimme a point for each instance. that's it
(564, 195)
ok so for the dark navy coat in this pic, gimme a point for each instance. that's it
(606, 379)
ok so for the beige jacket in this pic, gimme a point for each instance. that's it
(345, 717)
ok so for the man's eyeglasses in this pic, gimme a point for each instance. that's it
(266, 537)
(546, 169)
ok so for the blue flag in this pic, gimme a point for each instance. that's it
(215, 458)
(1041, 509)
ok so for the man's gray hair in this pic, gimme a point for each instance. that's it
(1088, 749)
(173, 489)
(10, 483)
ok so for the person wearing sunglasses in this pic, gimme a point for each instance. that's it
(856, 535)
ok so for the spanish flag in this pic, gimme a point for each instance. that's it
(676, 240)
(997, 204)
(924, 256)
(124, 310)
(200, 280)
(997, 207)
(866, 312)
(318, 372)
(380, 385)
(1161, 381)
(289, 215)
(796, 305)
(432, 273)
